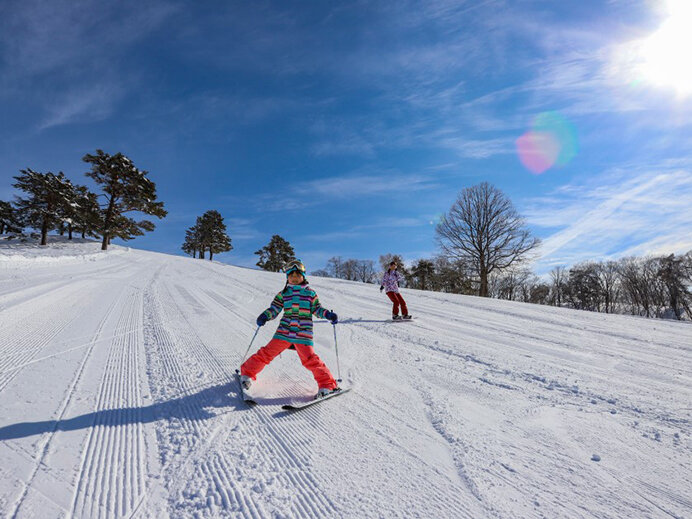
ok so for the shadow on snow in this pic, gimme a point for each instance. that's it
(191, 407)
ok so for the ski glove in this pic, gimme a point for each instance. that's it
(332, 317)
(262, 319)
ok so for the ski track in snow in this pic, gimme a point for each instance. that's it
(112, 469)
(118, 398)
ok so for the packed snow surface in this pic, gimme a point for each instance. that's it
(118, 399)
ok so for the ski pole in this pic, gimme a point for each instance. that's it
(248, 348)
(336, 347)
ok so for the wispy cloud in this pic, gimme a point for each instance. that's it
(480, 149)
(357, 184)
(406, 224)
(242, 228)
(647, 213)
(64, 35)
(83, 105)
(366, 185)
(66, 56)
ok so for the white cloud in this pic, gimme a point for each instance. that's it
(366, 185)
(66, 57)
(302, 195)
(381, 224)
(648, 212)
(68, 34)
(83, 105)
(479, 149)
(242, 229)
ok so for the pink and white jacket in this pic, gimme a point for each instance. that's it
(391, 280)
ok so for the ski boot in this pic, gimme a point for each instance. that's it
(323, 391)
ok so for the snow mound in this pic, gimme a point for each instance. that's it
(15, 253)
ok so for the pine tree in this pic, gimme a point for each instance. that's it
(208, 233)
(676, 279)
(191, 244)
(196, 236)
(126, 189)
(86, 216)
(10, 222)
(422, 274)
(68, 210)
(213, 234)
(275, 254)
(49, 195)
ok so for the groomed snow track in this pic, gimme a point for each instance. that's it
(118, 400)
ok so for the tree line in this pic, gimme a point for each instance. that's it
(52, 201)
(485, 245)
(657, 286)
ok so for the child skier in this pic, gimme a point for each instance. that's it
(298, 302)
(390, 282)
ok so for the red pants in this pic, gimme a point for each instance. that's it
(257, 362)
(397, 300)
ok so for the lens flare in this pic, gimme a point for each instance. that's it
(551, 141)
(436, 219)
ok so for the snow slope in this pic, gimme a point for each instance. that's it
(117, 400)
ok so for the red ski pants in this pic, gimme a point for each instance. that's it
(257, 362)
(397, 300)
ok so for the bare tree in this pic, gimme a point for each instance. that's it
(365, 271)
(558, 277)
(350, 269)
(609, 281)
(335, 267)
(642, 287)
(483, 227)
(513, 285)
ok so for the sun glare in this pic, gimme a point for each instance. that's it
(664, 57)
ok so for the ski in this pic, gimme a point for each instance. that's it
(402, 320)
(294, 406)
(246, 396)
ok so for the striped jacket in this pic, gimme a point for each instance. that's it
(298, 303)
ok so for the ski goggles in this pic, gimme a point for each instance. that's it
(294, 266)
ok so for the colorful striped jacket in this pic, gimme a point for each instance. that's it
(298, 303)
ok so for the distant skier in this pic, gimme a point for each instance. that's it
(298, 302)
(390, 283)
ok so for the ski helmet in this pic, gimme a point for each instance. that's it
(294, 266)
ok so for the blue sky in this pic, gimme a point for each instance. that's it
(349, 127)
